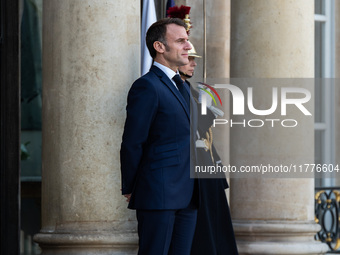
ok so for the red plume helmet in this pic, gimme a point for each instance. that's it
(181, 13)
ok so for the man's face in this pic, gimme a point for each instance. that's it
(189, 69)
(177, 46)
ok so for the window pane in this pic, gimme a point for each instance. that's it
(319, 28)
(31, 86)
(318, 146)
(319, 6)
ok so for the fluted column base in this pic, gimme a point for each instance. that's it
(96, 243)
(278, 237)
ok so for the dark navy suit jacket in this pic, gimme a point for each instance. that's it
(155, 151)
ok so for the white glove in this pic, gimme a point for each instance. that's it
(216, 111)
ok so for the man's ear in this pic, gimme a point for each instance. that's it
(159, 47)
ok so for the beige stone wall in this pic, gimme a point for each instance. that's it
(217, 36)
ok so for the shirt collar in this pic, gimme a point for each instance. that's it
(170, 73)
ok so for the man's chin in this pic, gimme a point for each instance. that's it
(185, 61)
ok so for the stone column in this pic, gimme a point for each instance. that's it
(273, 39)
(90, 59)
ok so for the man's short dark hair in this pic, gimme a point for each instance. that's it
(157, 31)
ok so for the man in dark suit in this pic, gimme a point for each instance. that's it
(155, 151)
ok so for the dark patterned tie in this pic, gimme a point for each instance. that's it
(180, 85)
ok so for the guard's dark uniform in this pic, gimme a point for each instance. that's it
(214, 233)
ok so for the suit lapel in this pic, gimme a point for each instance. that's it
(162, 76)
(193, 107)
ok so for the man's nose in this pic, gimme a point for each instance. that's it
(188, 46)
